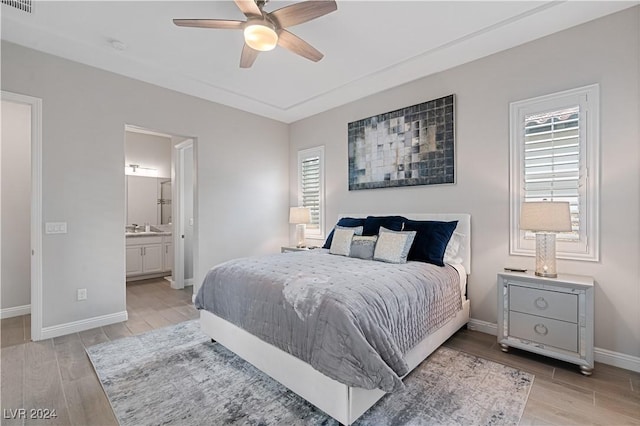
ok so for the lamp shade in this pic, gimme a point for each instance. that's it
(299, 215)
(546, 216)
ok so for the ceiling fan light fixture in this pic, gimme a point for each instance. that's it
(260, 36)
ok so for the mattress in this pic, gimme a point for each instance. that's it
(351, 319)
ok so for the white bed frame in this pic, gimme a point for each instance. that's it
(343, 403)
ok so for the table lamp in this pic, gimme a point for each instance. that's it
(546, 218)
(300, 216)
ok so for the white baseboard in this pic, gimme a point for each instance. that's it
(617, 359)
(187, 283)
(85, 324)
(16, 311)
(483, 326)
(605, 356)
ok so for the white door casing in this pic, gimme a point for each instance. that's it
(36, 207)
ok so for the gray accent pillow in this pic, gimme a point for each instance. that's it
(393, 246)
(363, 247)
(341, 243)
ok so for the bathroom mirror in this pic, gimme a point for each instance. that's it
(148, 200)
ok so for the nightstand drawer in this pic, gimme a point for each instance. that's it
(547, 331)
(544, 303)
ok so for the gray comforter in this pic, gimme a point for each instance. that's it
(351, 319)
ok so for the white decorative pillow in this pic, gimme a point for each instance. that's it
(341, 243)
(393, 246)
(454, 251)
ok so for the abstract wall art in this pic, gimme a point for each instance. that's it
(409, 146)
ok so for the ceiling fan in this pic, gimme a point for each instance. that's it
(264, 30)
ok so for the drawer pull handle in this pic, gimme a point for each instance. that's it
(541, 304)
(541, 329)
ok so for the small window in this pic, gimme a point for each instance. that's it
(311, 189)
(554, 157)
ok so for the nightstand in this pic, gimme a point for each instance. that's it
(294, 248)
(548, 316)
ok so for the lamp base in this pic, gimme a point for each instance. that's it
(300, 229)
(546, 255)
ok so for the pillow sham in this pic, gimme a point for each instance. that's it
(341, 243)
(348, 222)
(455, 249)
(393, 246)
(372, 224)
(362, 247)
(431, 240)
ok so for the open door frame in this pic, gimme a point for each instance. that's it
(178, 213)
(36, 207)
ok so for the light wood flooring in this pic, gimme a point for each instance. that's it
(56, 373)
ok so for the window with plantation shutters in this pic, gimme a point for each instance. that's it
(554, 157)
(552, 166)
(311, 188)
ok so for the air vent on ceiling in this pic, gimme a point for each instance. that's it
(23, 5)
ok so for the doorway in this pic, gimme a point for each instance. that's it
(159, 170)
(20, 209)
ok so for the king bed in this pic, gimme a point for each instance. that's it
(340, 331)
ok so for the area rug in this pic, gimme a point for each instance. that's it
(177, 376)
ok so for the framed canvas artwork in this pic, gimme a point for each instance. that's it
(409, 146)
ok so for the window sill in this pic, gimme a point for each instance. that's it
(584, 257)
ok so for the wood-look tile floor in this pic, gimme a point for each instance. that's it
(56, 373)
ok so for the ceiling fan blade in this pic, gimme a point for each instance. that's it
(297, 45)
(298, 13)
(248, 57)
(209, 23)
(249, 8)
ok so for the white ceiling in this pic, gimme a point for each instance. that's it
(369, 46)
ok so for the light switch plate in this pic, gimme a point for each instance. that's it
(56, 227)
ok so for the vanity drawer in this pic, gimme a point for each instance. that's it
(544, 303)
(547, 331)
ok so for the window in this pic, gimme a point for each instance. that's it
(554, 157)
(311, 188)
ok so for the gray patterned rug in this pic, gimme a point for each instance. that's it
(175, 375)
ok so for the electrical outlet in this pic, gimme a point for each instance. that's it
(82, 294)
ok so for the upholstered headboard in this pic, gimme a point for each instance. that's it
(464, 228)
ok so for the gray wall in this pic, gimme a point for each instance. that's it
(242, 205)
(16, 205)
(605, 51)
(149, 151)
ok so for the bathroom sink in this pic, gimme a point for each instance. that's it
(139, 233)
(154, 230)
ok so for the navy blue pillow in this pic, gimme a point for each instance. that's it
(347, 222)
(431, 240)
(373, 223)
